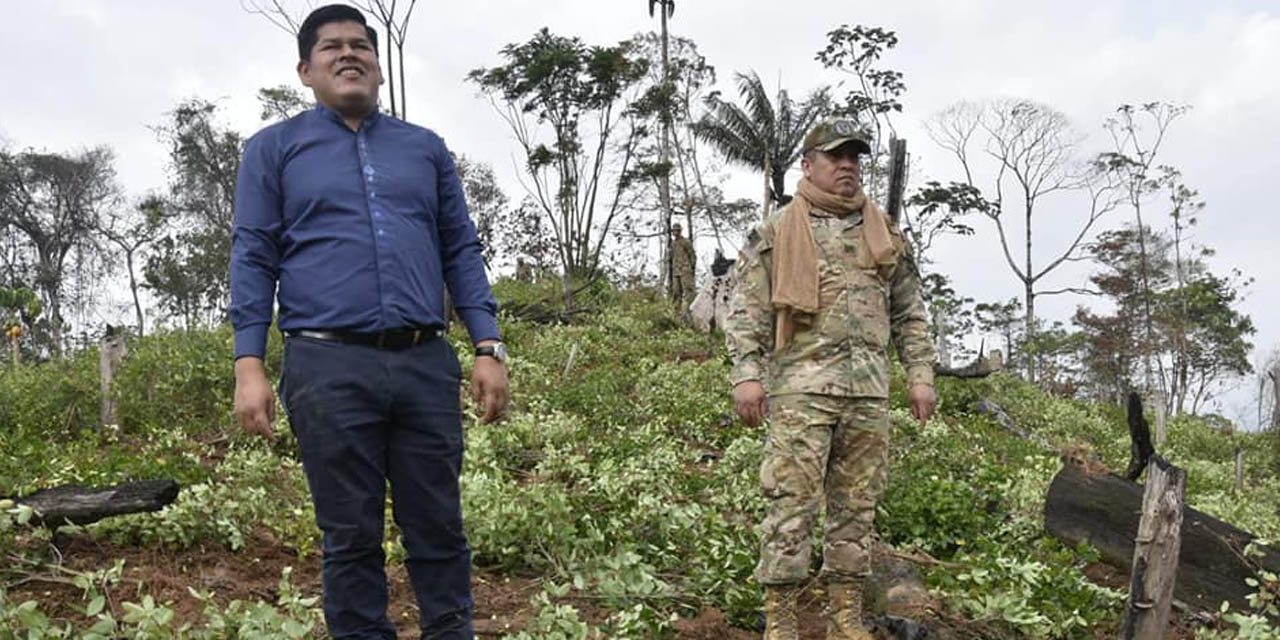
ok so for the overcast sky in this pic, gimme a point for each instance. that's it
(91, 72)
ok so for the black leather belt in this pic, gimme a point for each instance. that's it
(394, 339)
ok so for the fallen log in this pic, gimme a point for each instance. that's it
(75, 504)
(981, 367)
(1103, 509)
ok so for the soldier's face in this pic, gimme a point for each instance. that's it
(837, 171)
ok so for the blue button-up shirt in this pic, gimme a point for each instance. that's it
(361, 229)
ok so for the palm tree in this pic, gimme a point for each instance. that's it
(761, 135)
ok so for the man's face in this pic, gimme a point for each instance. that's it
(836, 171)
(343, 69)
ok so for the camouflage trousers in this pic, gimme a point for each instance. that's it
(682, 292)
(821, 448)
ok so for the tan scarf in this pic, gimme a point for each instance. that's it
(795, 252)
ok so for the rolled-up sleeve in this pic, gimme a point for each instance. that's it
(255, 246)
(460, 254)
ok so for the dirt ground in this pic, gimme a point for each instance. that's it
(502, 601)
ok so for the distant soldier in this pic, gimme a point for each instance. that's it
(683, 262)
(824, 285)
(524, 271)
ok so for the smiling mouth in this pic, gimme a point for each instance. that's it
(350, 72)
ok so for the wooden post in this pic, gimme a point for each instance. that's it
(897, 178)
(1155, 553)
(1157, 402)
(1275, 387)
(568, 365)
(1239, 470)
(111, 351)
(13, 349)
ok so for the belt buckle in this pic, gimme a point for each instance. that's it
(382, 338)
(417, 335)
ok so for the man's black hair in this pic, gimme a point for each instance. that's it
(324, 15)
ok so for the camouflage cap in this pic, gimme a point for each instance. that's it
(830, 134)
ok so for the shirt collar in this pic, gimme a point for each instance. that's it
(368, 121)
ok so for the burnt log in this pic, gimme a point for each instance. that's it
(75, 504)
(981, 367)
(1103, 510)
(1140, 447)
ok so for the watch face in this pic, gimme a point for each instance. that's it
(498, 351)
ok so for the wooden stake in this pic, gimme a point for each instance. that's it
(573, 353)
(1239, 470)
(1155, 553)
(111, 351)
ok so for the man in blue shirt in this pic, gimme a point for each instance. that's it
(360, 220)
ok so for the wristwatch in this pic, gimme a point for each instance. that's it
(497, 351)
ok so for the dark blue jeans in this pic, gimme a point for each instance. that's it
(365, 416)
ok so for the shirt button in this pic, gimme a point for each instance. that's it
(368, 170)
(381, 231)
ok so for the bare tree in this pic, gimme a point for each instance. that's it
(1132, 163)
(277, 14)
(1029, 148)
(397, 29)
(130, 231)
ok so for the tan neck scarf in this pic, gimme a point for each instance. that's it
(795, 252)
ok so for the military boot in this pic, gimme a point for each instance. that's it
(844, 612)
(780, 612)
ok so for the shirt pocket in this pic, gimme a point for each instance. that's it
(869, 304)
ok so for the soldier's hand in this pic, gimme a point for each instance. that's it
(923, 400)
(255, 405)
(750, 401)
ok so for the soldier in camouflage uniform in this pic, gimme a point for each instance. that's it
(820, 296)
(524, 270)
(683, 262)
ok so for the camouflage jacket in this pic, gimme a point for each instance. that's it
(682, 257)
(842, 349)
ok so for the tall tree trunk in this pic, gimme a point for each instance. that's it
(1275, 407)
(391, 76)
(1148, 336)
(1028, 347)
(664, 158)
(133, 288)
(1029, 291)
(768, 170)
(404, 113)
